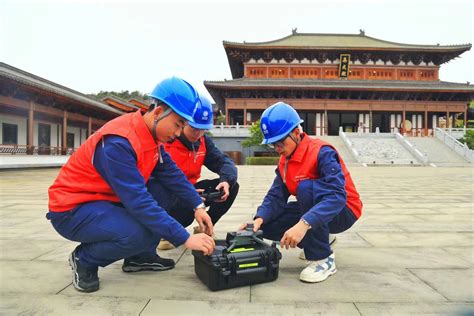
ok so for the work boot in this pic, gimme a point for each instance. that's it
(151, 263)
(165, 245)
(332, 242)
(319, 270)
(84, 279)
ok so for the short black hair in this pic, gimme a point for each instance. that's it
(155, 103)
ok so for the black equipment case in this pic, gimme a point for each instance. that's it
(243, 258)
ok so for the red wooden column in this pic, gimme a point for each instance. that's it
(89, 127)
(64, 135)
(465, 118)
(30, 141)
(426, 123)
(447, 119)
(404, 122)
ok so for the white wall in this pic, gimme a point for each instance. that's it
(22, 126)
(22, 122)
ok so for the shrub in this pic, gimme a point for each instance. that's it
(468, 139)
(267, 161)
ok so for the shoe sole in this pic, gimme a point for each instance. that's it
(146, 268)
(73, 266)
(327, 275)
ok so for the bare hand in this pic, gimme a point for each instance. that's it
(226, 187)
(199, 191)
(294, 235)
(201, 242)
(256, 224)
(204, 221)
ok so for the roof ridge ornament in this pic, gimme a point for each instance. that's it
(361, 32)
(293, 31)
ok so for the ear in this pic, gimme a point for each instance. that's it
(157, 111)
(296, 132)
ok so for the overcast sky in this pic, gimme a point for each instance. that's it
(130, 45)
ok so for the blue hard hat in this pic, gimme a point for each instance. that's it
(179, 95)
(278, 121)
(203, 115)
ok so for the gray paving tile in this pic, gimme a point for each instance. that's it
(438, 239)
(25, 277)
(396, 309)
(161, 307)
(454, 284)
(14, 249)
(348, 285)
(69, 305)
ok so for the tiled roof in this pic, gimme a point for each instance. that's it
(23, 77)
(121, 101)
(338, 41)
(340, 84)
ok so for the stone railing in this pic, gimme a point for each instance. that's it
(230, 131)
(458, 147)
(457, 132)
(409, 146)
(349, 145)
(6, 149)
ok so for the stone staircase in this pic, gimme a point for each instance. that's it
(381, 149)
(437, 152)
(341, 147)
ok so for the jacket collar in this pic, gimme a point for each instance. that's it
(300, 150)
(142, 130)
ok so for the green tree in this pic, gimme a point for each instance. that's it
(468, 139)
(256, 136)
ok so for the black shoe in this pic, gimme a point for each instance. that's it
(156, 263)
(84, 279)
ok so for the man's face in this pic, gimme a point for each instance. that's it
(170, 127)
(193, 134)
(287, 145)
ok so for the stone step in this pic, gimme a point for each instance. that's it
(382, 150)
(437, 151)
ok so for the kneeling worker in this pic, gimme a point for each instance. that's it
(100, 198)
(192, 150)
(313, 172)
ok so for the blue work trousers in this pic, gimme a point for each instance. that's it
(316, 241)
(106, 231)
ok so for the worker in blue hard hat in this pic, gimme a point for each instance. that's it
(327, 200)
(192, 150)
(100, 198)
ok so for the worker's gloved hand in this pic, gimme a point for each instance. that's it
(256, 224)
(204, 221)
(201, 242)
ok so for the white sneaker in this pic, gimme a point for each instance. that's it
(318, 271)
(332, 242)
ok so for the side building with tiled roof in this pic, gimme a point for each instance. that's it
(40, 117)
(351, 81)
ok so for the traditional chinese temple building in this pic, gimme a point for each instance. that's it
(352, 81)
(38, 116)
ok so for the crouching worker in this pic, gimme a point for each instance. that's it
(100, 198)
(191, 151)
(313, 172)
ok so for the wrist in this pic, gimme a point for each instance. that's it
(202, 205)
(305, 223)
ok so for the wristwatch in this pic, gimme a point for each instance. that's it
(202, 205)
(306, 222)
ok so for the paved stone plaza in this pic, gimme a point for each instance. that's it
(411, 253)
